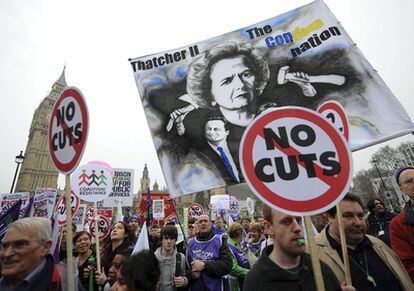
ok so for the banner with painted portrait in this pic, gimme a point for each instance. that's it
(198, 99)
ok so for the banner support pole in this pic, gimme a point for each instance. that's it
(95, 221)
(69, 234)
(316, 266)
(348, 278)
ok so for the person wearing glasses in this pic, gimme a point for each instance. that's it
(402, 226)
(25, 256)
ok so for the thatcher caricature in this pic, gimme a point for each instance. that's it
(224, 88)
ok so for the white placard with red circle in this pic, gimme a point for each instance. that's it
(89, 214)
(195, 210)
(104, 227)
(60, 208)
(295, 161)
(335, 113)
(92, 182)
(68, 130)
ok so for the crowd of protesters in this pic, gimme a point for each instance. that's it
(268, 252)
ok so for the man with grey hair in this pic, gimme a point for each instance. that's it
(25, 258)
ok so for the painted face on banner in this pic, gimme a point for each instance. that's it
(232, 83)
(215, 131)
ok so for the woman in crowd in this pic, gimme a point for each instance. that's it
(121, 237)
(82, 241)
(240, 263)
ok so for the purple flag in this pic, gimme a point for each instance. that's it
(149, 209)
(12, 214)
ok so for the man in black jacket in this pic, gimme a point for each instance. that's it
(284, 265)
(208, 257)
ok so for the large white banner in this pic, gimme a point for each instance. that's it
(199, 98)
(43, 202)
(123, 185)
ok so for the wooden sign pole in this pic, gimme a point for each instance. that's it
(69, 234)
(95, 221)
(344, 246)
(316, 266)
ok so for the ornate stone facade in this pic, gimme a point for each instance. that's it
(37, 170)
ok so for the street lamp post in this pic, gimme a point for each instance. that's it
(19, 160)
(379, 173)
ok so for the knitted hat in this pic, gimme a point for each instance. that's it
(135, 216)
(399, 172)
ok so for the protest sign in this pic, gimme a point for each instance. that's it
(234, 206)
(275, 52)
(335, 113)
(296, 161)
(61, 208)
(68, 130)
(158, 209)
(92, 182)
(168, 206)
(123, 185)
(44, 202)
(195, 210)
(7, 200)
(79, 217)
(220, 201)
(250, 206)
(104, 227)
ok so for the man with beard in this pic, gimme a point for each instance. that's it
(208, 258)
(374, 266)
(284, 265)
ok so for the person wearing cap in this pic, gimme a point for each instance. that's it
(373, 265)
(402, 226)
(134, 225)
(285, 265)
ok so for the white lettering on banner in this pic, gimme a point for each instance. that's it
(202, 255)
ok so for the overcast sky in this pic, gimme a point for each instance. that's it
(96, 38)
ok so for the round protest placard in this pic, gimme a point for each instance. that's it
(68, 130)
(195, 210)
(60, 207)
(89, 214)
(104, 227)
(250, 205)
(295, 161)
(234, 206)
(335, 113)
(92, 182)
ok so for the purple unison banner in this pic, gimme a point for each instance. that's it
(198, 99)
